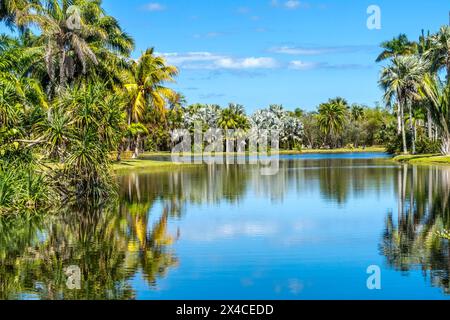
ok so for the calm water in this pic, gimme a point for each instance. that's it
(227, 232)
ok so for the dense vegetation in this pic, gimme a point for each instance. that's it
(72, 100)
(414, 87)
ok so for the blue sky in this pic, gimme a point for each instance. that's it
(260, 52)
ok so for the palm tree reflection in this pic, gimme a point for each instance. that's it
(109, 245)
(412, 241)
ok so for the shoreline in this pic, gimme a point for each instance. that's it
(423, 159)
(143, 164)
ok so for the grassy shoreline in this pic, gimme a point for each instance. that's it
(424, 159)
(143, 164)
(148, 165)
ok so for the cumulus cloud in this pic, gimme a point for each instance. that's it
(210, 61)
(246, 63)
(154, 6)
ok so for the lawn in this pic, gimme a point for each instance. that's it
(150, 165)
(424, 159)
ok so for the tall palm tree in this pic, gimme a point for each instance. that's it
(72, 35)
(10, 8)
(332, 117)
(233, 117)
(398, 46)
(144, 84)
(438, 96)
(439, 51)
(424, 46)
(401, 81)
(357, 112)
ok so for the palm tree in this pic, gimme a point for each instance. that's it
(439, 51)
(357, 112)
(438, 96)
(332, 117)
(9, 10)
(73, 34)
(144, 85)
(233, 117)
(401, 81)
(398, 46)
(425, 45)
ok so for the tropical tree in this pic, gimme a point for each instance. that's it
(205, 116)
(144, 83)
(399, 46)
(439, 51)
(438, 96)
(357, 112)
(332, 118)
(72, 35)
(233, 118)
(276, 119)
(10, 8)
(401, 81)
(96, 126)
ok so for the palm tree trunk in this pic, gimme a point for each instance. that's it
(399, 121)
(62, 69)
(136, 147)
(411, 128)
(415, 135)
(119, 152)
(446, 144)
(402, 122)
(430, 125)
(129, 124)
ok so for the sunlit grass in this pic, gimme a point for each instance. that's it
(424, 159)
(147, 165)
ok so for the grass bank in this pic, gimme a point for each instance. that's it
(147, 165)
(429, 159)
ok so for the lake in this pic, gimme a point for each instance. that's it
(227, 232)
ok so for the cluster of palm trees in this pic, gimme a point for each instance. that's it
(70, 93)
(336, 123)
(234, 119)
(413, 84)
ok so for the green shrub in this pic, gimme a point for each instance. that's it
(424, 145)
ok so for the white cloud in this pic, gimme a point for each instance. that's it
(300, 51)
(247, 63)
(154, 6)
(302, 65)
(232, 230)
(315, 51)
(305, 65)
(208, 60)
(290, 4)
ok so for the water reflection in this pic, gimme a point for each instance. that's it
(410, 240)
(136, 244)
(109, 246)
